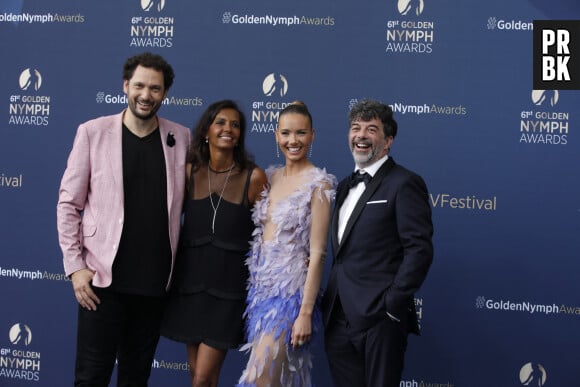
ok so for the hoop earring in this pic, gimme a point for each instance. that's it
(277, 150)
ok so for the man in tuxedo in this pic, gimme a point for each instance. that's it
(118, 219)
(381, 234)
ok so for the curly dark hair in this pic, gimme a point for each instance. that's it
(149, 60)
(367, 109)
(199, 150)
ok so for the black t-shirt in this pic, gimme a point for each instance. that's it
(143, 261)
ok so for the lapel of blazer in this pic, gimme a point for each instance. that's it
(368, 192)
(169, 153)
(342, 192)
(114, 150)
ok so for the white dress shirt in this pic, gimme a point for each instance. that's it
(354, 195)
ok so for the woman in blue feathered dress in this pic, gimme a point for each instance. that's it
(286, 260)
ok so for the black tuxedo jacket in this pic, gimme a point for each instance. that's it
(385, 252)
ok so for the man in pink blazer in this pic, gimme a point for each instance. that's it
(118, 218)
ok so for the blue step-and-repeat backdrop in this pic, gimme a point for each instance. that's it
(501, 304)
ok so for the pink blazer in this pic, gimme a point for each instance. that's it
(90, 208)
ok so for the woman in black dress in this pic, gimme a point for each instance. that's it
(207, 298)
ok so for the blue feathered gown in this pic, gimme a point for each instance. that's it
(278, 269)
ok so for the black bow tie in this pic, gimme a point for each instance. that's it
(359, 177)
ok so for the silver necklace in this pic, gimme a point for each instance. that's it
(216, 206)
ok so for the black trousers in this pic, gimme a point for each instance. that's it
(125, 328)
(371, 358)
